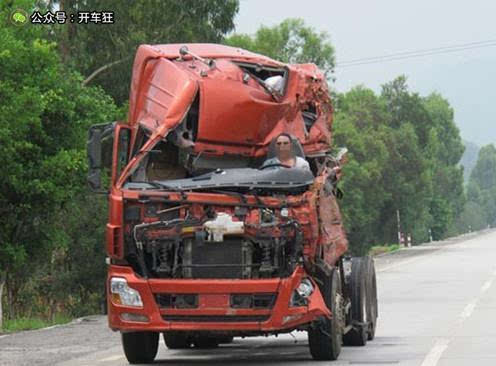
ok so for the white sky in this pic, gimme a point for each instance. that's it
(360, 29)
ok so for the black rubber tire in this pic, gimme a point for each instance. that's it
(372, 306)
(225, 339)
(325, 337)
(176, 340)
(140, 347)
(205, 342)
(358, 335)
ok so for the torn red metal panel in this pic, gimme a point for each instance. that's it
(244, 116)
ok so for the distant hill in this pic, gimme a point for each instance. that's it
(469, 158)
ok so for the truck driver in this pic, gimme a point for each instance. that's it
(285, 155)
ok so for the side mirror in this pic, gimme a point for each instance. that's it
(99, 151)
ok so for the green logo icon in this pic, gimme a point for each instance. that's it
(19, 17)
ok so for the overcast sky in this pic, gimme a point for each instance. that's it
(368, 28)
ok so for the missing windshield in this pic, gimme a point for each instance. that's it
(273, 79)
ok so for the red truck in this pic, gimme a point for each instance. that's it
(204, 243)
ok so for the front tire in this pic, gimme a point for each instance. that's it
(203, 342)
(325, 337)
(225, 339)
(140, 347)
(176, 340)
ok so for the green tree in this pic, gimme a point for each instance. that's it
(404, 153)
(432, 197)
(469, 158)
(44, 115)
(359, 125)
(471, 218)
(408, 174)
(447, 174)
(104, 53)
(482, 184)
(291, 42)
(484, 172)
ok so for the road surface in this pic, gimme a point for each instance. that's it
(437, 306)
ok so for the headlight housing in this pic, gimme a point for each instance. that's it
(302, 293)
(122, 294)
(305, 289)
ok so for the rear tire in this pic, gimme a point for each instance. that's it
(140, 347)
(357, 336)
(372, 306)
(325, 337)
(176, 340)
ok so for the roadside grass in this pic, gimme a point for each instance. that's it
(381, 249)
(25, 323)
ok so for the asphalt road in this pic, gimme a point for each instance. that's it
(437, 306)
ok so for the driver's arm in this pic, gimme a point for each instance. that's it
(302, 163)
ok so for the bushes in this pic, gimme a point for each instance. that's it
(404, 153)
(381, 249)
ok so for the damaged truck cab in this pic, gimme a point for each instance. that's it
(203, 244)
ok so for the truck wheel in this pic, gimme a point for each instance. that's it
(372, 307)
(225, 339)
(357, 336)
(176, 340)
(325, 336)
(205, 342)
(140, 347)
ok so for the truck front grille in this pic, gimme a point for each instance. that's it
(258, 301)
(177, 301)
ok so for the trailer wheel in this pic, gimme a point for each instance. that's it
(372, 306)
(176, 340)
(140, 347)
(325, 336)
(357, 336)
(205, 342)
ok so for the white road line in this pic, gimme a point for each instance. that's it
(486, 285)
(468, 310)
(442, 344)
(112, 358)
(400, 264)
(436, 352)
(5, 335)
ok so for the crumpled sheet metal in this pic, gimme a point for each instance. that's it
(235, 117)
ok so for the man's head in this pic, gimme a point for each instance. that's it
(284, 148)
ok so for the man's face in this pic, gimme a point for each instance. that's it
(283, 146)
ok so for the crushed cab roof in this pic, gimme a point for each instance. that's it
(236, 116)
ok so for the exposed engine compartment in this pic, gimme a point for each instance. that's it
(202, 241)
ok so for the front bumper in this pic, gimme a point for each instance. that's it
(215, 315)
